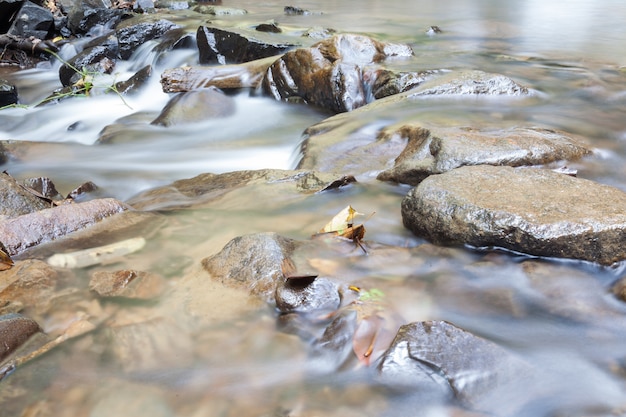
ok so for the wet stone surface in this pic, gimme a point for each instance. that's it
(15, 329)
(534, 211)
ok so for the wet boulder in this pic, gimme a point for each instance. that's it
(99, 56)
(330, 73)
(132, 33)
(28, 230)
(32, 20)
(85, 16)
(439, 358)
(15, 330)
(218, 46)
(135, 82)
(8, 93)
(439, 149)
(196, 106)
(15, 200)
(307, 294)
(252, 262)
(535, 211)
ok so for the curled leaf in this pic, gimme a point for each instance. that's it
(341, 222)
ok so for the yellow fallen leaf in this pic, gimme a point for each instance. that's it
(342, 221)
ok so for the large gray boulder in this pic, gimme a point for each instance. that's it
(534, 211)
(437, 150)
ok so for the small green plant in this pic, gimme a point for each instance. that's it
(81, 88)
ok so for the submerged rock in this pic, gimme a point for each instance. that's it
(137, 285)
(534, 211)
(29, 285)
(442, 359)
(28, 230)
(307, 295)
(195, 106)
(206, 188)
(436, 150)
(15, 329)
(330, 73)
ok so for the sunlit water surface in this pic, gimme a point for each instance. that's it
(223, 355)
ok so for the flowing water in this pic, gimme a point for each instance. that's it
(206, 350)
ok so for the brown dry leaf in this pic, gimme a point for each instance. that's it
(342, 225)
(5, 261)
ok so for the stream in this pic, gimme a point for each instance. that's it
(218, 351)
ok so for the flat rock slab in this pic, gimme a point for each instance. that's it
(534, 211)
(437, 150)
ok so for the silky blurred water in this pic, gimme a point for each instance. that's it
(558, 315)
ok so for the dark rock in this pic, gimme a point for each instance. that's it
(32, 20)
(330, 74)
(135, 82)
(218, 46)
(252, 262)
(438, 357)
(44, 186)
(15, 329)
(387, 83)
(85, 16)
(174, 39)
(8, 93)
(306, 295)
(534, 211)
(433, 30)
(8, 10)
(295, 11)
(437, 150)
(134, 32)
(196, 106)
(99, 57)
(137, 285)
(22, 232)
(16, 200)
(79, 193)
(268, 27)
(207, 188)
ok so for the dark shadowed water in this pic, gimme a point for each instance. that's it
(219, 354)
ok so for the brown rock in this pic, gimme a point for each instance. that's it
(15, 200)
(27, 230)
(127, 283)
(15, 329)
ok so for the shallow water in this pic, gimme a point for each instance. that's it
(206, 350)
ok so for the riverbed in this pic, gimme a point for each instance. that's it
(221, 354)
